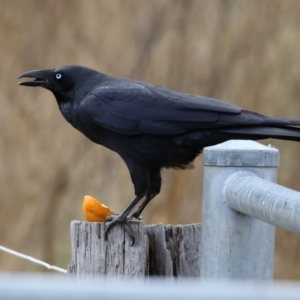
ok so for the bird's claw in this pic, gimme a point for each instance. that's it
(135, 216)
(123, 221)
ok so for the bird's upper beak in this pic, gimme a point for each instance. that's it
(41, 77)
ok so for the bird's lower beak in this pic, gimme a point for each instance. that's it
(39, 75)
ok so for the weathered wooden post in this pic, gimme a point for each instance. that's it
(171, 250)
(92, 256)
(174, 250)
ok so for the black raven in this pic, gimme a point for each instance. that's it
(150, 127)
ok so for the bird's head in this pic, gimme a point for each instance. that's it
(64, 81)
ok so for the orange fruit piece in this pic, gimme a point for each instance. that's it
(95, 211)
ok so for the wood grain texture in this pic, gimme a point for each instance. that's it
(172, 250)
(93, 256)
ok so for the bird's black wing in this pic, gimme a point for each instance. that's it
(132, 108)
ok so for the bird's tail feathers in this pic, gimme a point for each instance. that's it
(261, 132)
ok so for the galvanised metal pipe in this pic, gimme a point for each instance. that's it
(234, 245)
(264, 200)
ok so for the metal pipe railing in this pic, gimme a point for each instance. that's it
(264, 200)
(40, 286)
(235, 245)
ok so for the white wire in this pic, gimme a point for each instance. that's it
(37, 261)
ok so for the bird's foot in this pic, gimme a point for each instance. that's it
(135, 216)
(123, 221)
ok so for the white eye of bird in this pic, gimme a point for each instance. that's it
(58, 76)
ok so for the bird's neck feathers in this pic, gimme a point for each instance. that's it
(65, 106)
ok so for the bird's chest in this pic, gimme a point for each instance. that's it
(81, 122)
(93, 131)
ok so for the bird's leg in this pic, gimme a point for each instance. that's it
(154, 179)
(137, 213)
(145, 180)
(122, 219)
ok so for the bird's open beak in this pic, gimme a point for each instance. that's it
(39, 75)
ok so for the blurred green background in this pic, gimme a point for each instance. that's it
(245, 52)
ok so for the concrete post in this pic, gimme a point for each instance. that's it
(234, 245)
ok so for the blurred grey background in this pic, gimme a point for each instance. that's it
(244, 52)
